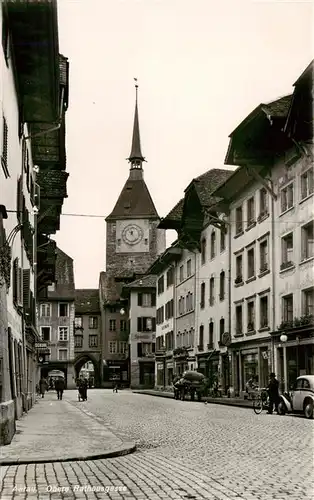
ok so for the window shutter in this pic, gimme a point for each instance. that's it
(139, 350)
(15, 280)
(139, 324)
(153, 300)
(19, 200)
(139, 299)
(153, 324)
(26, 289)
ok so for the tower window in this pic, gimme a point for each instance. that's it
(146, 241)
(119, 242)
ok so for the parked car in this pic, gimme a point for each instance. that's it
(301, 399)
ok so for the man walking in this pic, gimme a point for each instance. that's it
(59, 386)
(273, 392)
(43, 386)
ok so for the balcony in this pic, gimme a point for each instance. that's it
(302, 321)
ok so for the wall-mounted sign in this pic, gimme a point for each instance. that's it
(143, 336)
(165, 326)
(41, 345)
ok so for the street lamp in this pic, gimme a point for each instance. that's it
(283, 338)
(122, 311)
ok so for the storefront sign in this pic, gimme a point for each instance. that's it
(165, 326)
(41, 345)
(143, 336)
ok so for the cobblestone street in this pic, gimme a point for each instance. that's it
(184, 451)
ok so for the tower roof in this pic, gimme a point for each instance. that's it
(136, 152)
(134, 201)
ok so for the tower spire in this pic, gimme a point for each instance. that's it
(136, 158)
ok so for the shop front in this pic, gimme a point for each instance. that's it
(147, 374)
(294, 355)
(160, 373)
(251, 365)
(116, 371)
(169, 372)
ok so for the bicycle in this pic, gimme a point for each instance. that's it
(261, 402)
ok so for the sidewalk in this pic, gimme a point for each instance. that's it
(242, 403)
(59, 431)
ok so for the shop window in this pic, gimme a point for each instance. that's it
(203, 250)
(287, 308)
(264, 312)
(307, 184)
(286, 198)
(250, 263)
(202, 295)
(307, 235)
(239, 220)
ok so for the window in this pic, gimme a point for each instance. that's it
(123, 325)
(146, 300)
(122, 347)
(63, 354)
(250, 316)
(239, 220)
(263, 256)
(286, 198)
(146, 324)
(250, 263)
(223, 233)
(181, 306)
(78, 322)
(63, 310)
(188, 268)
(160, 315)
(307, 184)
(287, 251)
(287, 308)
(93, 341)
(307, 235)
(250, 211)
(170, 276)
(239, 269)
(4, 156)
(211, 335)
(308, 302)
(239, 320)
(201, 340)
(221, 328)
(222, 285)
(189, 302)
(264, 312)
(263, 203)
(63, 333)
(78, 341)
(45, 310)
(161, 285)
(93, 322)
(213, 245)
(45, 332)
(181, 273)
(112, 325)
(212, 291)
(112, 347)
(202, 295)
(203, 250)
(169, 309)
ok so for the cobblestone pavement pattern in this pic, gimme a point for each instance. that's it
(189, 451)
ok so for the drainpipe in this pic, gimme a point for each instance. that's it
(274, 269)
(229, 303)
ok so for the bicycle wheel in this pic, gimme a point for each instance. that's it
(258, 405)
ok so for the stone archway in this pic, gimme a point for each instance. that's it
(80, 361)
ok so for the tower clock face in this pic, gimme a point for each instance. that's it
(132, 234)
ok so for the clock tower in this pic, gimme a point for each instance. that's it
(133, 241)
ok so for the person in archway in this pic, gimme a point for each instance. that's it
(59, 386)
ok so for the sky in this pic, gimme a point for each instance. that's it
(202, 66)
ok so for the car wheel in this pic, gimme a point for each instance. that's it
(308, 409)
(282, 410)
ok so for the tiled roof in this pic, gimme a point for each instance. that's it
(134, 201)
(110, 289)
(176, 212)
(278, 108)
(206, 184)
(87, 301)
(63, 67)
(144, 282)
(64, 285)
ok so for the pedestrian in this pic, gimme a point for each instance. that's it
(43, 386)
(59, 386)
(273, 393)
(115, 387)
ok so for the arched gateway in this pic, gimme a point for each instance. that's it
(80, 361)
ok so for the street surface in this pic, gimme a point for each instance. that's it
(185, 451)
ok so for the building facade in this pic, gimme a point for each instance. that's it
(141, 295)
(87, 335)
(30, 96)
(56, 322)
(133, 243)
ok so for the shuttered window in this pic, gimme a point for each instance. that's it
(4, 156)
(15, 288)
(26, 290)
